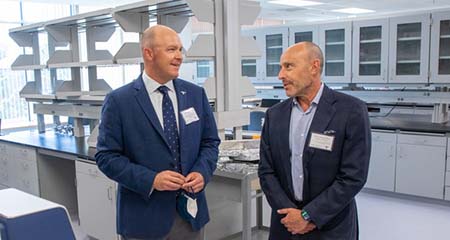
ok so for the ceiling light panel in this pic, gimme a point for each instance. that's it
(353, 10)
(295, 3)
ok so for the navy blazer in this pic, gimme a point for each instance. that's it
(132, 149)
(331, 178)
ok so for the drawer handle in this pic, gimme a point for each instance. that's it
(110, 194)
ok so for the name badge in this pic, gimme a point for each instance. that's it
(192, 206)
(321, 141)
(189, 115)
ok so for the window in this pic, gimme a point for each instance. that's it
(204, 69)
(14, 110)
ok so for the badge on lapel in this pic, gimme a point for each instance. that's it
(323, 141)
(189, 115)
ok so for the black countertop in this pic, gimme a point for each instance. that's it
(78, 145)
(409, 122)
(52, 141)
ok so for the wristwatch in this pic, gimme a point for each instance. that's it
(306, 216)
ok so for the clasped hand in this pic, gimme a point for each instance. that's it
(294, 222)
(172, 181)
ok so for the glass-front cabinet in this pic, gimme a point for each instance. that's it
(250, 67)
(303, 34)
(440, 48)
(272, 42)
(370, 51)
(409, 46)
(335, 41)
(276, 41)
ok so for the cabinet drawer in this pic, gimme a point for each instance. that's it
(384, 137)
(26, 153)
(422, 140)
(447, 193)
(88, 168)
(26, 167)
(447, 179)
(30, 186)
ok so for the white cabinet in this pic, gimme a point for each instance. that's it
(335, 41)
(440, 48)
(382, 161)
(4, 165)
(18, 167)
(303, 34)
(370, 51)
(272, 43)
(409, 49)
(421, 165)
(96, 201)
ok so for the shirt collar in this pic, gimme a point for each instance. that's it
(152, 85)
(315, 100)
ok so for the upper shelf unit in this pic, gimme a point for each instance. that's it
(99, 26)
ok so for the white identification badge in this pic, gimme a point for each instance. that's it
(189, 115)
(192, 206)
(321, 141)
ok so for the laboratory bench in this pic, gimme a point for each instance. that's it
(409, 156)
(62, 169)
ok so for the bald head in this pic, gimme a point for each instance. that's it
(311, 50)
(162, 53)
(152, 36)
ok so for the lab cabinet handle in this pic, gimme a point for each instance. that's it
(110, 193)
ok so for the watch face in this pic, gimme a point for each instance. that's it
(305, 215)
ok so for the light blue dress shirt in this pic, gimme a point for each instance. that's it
(298, 131)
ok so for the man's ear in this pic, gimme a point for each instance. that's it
(148, 53)
(315, 67)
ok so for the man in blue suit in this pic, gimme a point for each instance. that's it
(315, 150)
(158, 139)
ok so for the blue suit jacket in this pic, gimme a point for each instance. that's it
(331, 178)
(132, 149)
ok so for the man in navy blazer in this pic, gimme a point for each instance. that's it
(134, 150)
(315, 150)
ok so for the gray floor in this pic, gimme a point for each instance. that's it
(387, 218)
(393, 218)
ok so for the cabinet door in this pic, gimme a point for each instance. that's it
(382, 162)
(4, 165)
(370, 51)
(96, 202)
(275, 42)
(253, 68)
(440, 48)
(303, 34)
(420, 165)
(409, 49)
(23, 168)
(335, 41)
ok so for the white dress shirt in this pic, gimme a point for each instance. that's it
(156, 97)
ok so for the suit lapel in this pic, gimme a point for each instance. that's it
(324, 113)
(284, 123)
(143, 99)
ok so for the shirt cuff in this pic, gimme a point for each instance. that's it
(151, 191)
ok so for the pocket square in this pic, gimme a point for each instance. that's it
(329, 132)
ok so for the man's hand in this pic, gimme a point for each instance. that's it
(194, 182)
(168, 181)
(294, 221)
